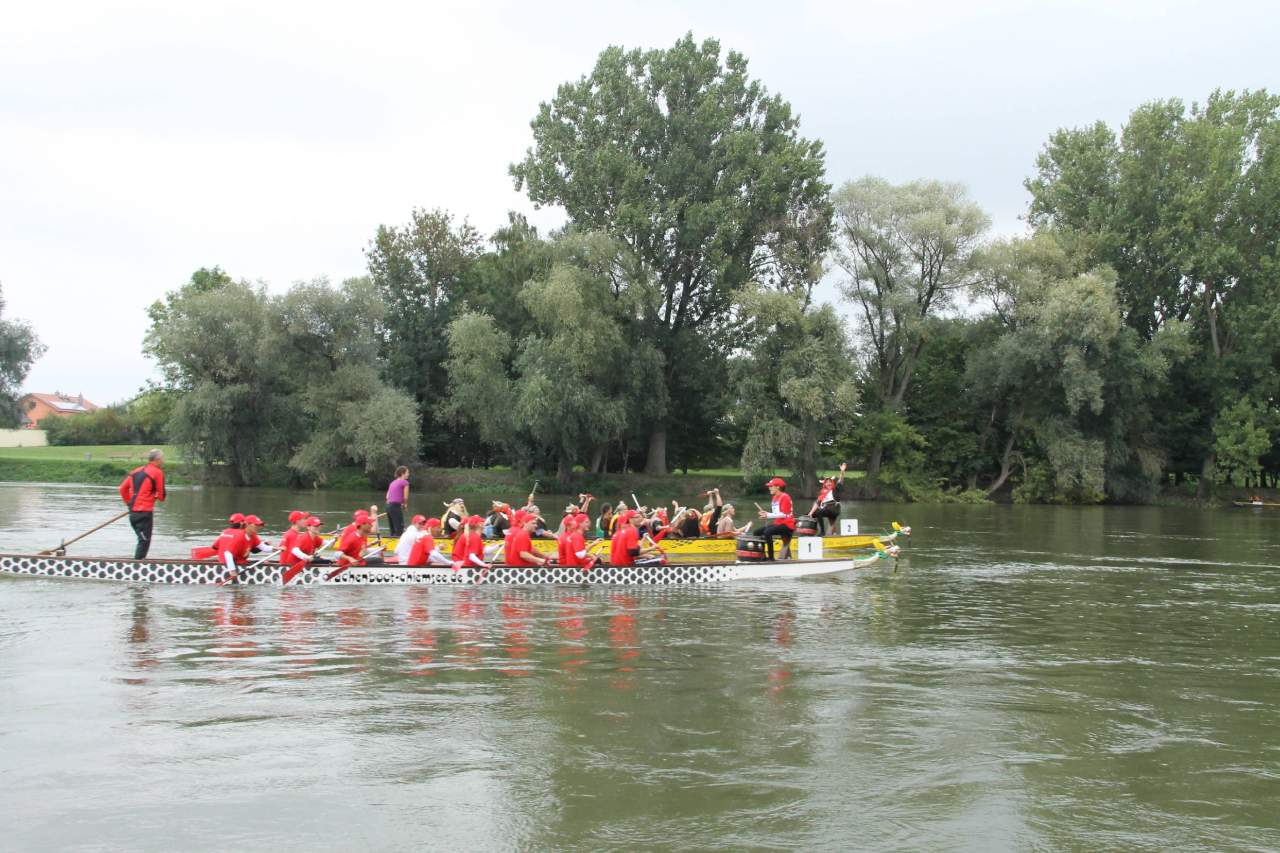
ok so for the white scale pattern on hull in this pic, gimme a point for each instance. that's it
(191, 572)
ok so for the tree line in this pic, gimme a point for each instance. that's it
(1126, 342)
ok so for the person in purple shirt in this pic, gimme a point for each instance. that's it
(398, 500)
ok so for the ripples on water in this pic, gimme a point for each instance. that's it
(1026, 679)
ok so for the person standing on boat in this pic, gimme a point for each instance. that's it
(826, 508)
(778, 520)
(141, 489)
(398, 500)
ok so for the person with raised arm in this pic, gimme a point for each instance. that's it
(826, 507)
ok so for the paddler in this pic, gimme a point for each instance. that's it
(454, 518)
(468, 547)
(417, 527)
(624, 548)
(778, 520)
(296, 546)
(233, 546)
(424, 551)
(520, 551)
(352, 544)
(573, 543)
(141, 489)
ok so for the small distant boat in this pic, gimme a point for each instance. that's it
(1257, 503)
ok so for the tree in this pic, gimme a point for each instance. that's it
(797, 383)
(19, 349)
(419, 271)
(906, 250)
(214, 343)
(573, 382)
(1184, 208)
(1068, 386)
(329, 346)
(701, 176)
(1241, 437)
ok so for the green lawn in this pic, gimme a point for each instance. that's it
(87, 453)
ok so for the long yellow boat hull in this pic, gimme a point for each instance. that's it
(701, 545)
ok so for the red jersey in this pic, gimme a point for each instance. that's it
(420, 553)
(233, 541)
(353, 543)
(465, 547)
(142, 488)
(782, 504)
(623, 543)
(570, 545)
(518, 542)
(300, 539)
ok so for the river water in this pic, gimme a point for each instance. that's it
(1028, 678)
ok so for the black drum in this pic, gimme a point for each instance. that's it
(750, 548)
(807, 525)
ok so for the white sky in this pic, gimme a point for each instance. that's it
(140, 141)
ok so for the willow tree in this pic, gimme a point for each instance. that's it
(701, 174)
(906, 249)
(795, 385)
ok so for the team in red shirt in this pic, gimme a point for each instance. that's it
(301, 543)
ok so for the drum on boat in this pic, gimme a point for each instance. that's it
(807, 525)
(751, 548)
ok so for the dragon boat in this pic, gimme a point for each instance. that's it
(201, 572)
(710, 545)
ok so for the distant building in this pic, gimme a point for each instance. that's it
(37, 407)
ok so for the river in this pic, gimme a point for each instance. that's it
(1028, 678)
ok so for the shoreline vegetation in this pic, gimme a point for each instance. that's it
(106, 465)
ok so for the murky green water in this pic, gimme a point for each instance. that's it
(1029, 678)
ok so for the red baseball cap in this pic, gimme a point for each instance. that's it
(475, 521)
(776, 481)
(570, 522)
(296, 516)
(519, 517)
(361, 517)
(236, 518)
(433, 522)
(313, 522)
(252, 519)
(418, 519)
(582, 518)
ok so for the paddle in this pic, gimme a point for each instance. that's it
(62, 549)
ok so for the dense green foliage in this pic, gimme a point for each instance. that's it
(703, 180)
(142, 420)
(1127, 342)
(269, 382)
(19, 348)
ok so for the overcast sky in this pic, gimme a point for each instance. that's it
(140, 141)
